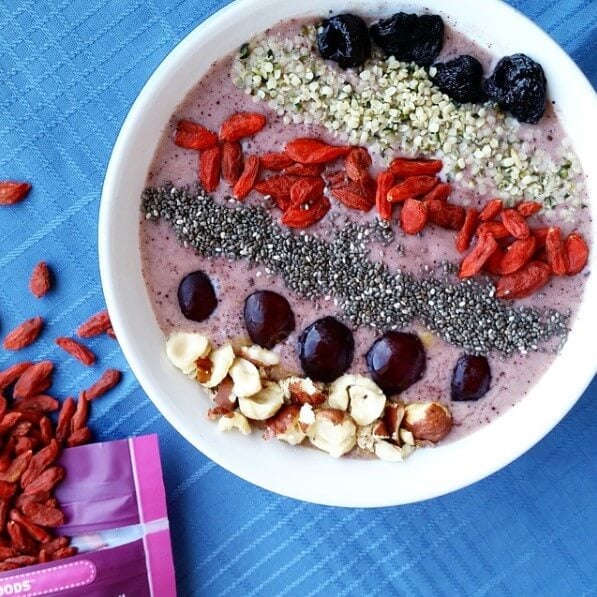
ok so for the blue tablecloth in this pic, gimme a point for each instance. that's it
(70, 70)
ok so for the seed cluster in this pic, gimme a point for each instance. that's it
(394, 105)
(367, 292)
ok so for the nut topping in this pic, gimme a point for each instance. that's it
(285, 426)
(333, 431)
(221, 361)
(234, 420)
(184, 348)
(264, 404)
(245, 377)
(262, 357)
(428, 421)
(391, 452)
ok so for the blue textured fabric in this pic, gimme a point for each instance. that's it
(70, 70)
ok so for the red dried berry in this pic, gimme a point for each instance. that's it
(578, 253)
(275, 161)
(242, 124)
(76, 350)
(246, 182)
(413, 216)
(12, 192)
(557, 257)
(34, 380)
(106, 382)
(191, 135)
(473, 263)
(467, 231)
(39, 283)
(412, 188)
(232, 161)
(97, 324)
(24, 335)
(210, 168)
(491, 210)
(515, 223)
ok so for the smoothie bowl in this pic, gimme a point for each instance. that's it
(364, 234)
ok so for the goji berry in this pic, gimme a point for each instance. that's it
(405, 167)
(210, 168)
(528, 208)
(65, 552)
(191, 135)
(106, 382)
(413, 216)
(298, 217)
(43, 515)
(35, 532)
(578, 253)
(557, 257)
(64, 419)
(246, 182)
(496, 229)
(7, 552)
(7, 490)
(12, 373)
(527, 280)
(40, 403)
(306, 190)
(21, 561)
(54, 545)
(444, 214)
(232, 161)
(491, 209)
(20, 539)
(514, 223)
(353, 196)
(473, 263)
(39, 283)
(12, 192)
(467, 231)
(540, 235)
(276, 161)
(40, 462)
(440, 193)
(79, 437)
(242, 124)
(97, 324)
(519, 253)
(313, 151)
(46, 430)
(411, 188)
(79, 419)
(357, 164)
(277, 187)
(76, 350)
(46, 481)
(385, 181)
(305, 169)
(18, 466)
(24, 334)
(24, 444)
(35, 380)
(111, 334)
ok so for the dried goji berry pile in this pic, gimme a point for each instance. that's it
(35, 427)
(504, 245)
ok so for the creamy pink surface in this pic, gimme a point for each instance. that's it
(165, 262)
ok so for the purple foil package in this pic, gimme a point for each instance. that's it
(114, 503)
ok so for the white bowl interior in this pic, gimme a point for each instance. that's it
(309, 474)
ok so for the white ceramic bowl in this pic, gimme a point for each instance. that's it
(309, 474)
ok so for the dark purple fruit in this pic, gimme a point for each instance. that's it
(268, 318)
(409, 37)
(471, 377)
(396, 361)
(461, 79)
(518, 85)
(344, 39)
(196, 296)
(325, 349)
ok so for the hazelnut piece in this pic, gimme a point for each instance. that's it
(427, 421)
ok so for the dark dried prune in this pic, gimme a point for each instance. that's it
(471, 378)
(344, 39)
(268, 317)
(518, 85)
(409, 37)
(196, 296)
(461, 79)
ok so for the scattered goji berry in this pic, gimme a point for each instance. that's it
(540, 235)
(405, 167)
(43, 515)
(528, 208)
(24, 335)
(277, 187)
(46, 481)
(12, 373)
(305, 169)
(518, 254)
(440, 193)
(412, 188)
(473, 263)
(242, 124)
(97, 324)
(81, 414)
(515, 223)
(40, 403)
(39, 283)
(246, 182)
(65, 552)
(357, 164)
(54, 545)
(298, 217)
(64, 419)
(313, 151)
(557, 257)
(46, 430)
(444, 214)
(578, 253)
(191, 135)
(353, 196)
(12, 192)
(527, 280)
(34, 380)
(21, 561)
(79, 437)
(40, 462)
(35, 531)
(111, 334)
(232, 161)
(106, 382)
(467, 231)
(76, 350)
(305, 190)
(210, 168)
(496, 229)
(413, 216)
(491, 210)
(20, 539)
(385, 181)
(275, 161)
(7, 490)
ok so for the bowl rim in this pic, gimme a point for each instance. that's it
(516, 419)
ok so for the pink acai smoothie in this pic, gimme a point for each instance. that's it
(166, 262)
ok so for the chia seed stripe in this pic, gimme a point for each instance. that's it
(466, 313)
